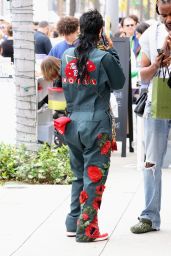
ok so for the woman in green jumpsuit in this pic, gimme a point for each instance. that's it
(89, 75)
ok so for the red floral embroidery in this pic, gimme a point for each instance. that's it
(97, 203)
(90, 66)
(85, 216)
(94, 173)
(71, 69)
(95, 220)
(106, 148)
(100, 189)
(99, 136)
(114, 145)
(83, 197)
(92, 231)
(72, 72)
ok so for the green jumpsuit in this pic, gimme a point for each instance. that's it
(89, 135)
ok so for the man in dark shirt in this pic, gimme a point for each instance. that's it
(42, 41)
(7, 49)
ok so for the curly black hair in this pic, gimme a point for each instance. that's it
(91, 23)
(163, 2)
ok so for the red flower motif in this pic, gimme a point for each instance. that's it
(71, 69)
(99, 136)
(97, 203)
(92, 231)
(106, 148)
(100, 189)
(94, 173)
(95, 220)
(83, 197)
(90, 66)
(85, 216)
(114, 145)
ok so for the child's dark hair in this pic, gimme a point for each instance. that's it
(91, 23)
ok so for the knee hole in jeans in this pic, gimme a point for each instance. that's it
(149, 165)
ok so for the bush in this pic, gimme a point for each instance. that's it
(49, 165)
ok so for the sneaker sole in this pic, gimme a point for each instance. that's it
(70, 234)
(142, 232)
(98, 239)
(101, 238)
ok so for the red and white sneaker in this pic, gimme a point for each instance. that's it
(101, 237)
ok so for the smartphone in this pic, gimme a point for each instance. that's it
(160, 51)
(105, 42)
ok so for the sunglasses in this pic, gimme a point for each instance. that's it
(129, 25)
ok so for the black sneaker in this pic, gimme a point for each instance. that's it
(144, 226)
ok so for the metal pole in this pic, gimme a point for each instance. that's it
(112, 10)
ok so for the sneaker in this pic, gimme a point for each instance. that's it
(101, 237)
(70, 234)
(144, 226)
(97, 238)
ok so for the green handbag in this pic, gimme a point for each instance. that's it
(161, 99)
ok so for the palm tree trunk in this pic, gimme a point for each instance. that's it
(24, 66)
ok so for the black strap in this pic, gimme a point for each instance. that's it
(42, 102)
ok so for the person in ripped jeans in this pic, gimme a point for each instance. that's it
(155, 46)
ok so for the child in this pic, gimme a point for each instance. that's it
(50, 68)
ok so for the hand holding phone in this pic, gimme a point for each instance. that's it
(105, 42)
(104, 39)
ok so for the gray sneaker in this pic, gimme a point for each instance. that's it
(143, 226)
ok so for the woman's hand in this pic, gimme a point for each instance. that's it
(109, 43)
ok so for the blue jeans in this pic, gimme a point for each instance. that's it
(155, 137)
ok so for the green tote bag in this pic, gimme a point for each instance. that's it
(161, 99)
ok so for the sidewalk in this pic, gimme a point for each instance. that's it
(32, 217)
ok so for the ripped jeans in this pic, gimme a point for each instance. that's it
(156, 137)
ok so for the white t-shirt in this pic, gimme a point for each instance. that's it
(151, 40)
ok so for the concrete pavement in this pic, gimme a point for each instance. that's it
(32, 217)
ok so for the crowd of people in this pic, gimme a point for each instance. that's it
(89, 75)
